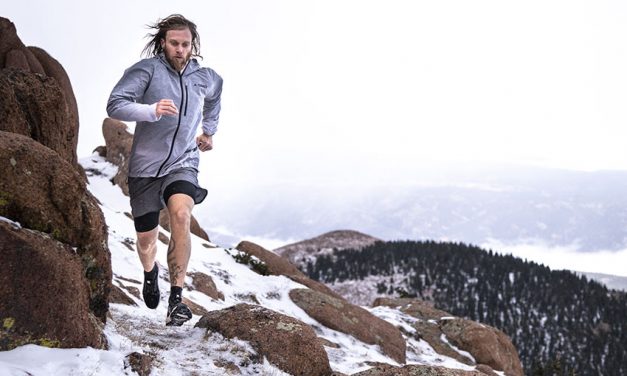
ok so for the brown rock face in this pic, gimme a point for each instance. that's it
(487, 345)
(119, 142)
(344, 317)
(205, 284)
(43, 192)
(118, 151)
(277, 265)
(13, 53)
(288, 343)
(51, 116)
(415, 370)
(54, 69)
(44, 296)
(34, 106)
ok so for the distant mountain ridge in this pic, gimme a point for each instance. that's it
(300, 252)
(579, 210)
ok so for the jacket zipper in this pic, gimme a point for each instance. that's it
(186, 98)
(183, 98)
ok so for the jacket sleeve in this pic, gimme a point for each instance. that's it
(123, 101)
(211, 109)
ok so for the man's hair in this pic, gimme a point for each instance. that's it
(171, 22)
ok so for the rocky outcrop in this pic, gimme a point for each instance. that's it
(204, 283)
(280, 266)
(34, 106)
(39, 102)
(298, 253)
(286, 342)
(43, 192)
(415, 370)
(44, 296)
(344, 317)
(117, 151)
(487, 345)
(119, 142)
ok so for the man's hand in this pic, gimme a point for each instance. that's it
(204, 142)
(166, 107)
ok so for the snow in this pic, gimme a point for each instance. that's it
(184, 350)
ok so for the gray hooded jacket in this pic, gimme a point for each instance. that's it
(161, 145)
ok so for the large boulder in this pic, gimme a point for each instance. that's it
(118, 149)
(278, 265)
(43, 192)
(13, 53)
(340, 315)
(204, 283)
(34, 106)
(44, 295)
(286, 342)
(488, 346)
(47, 110)
(119, 142)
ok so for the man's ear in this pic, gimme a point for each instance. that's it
(162, 42)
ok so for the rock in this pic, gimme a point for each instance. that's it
(299, 253)
(119, 142)
(485, 369)
(280, 266)
(54, 69)
(427, 328)
(119, 297)
(118, 151)
(34, 106)
(43, 192)
(44, 295)
(338, 314)
(415, 370)
(286, 342)
(414, 307)
(205, 284)
(486, 344)
(139, 363)
(53, 123)
(13, 53)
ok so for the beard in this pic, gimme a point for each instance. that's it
(178, 63)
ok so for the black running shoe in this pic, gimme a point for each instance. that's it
(178, 313)
(150, 291)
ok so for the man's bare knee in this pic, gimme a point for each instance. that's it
(146, 240)
(180, 216)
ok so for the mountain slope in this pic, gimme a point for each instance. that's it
(551, 316)
(133, 328)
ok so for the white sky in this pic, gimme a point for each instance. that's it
(325, 85)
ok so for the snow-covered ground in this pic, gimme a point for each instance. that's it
(188, 350)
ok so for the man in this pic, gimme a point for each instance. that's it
(168, 95)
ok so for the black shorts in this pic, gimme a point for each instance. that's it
(150, 195)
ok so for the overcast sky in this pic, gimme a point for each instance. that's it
(337, 86)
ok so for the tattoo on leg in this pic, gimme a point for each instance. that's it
(175, 270)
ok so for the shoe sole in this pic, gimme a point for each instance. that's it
(176, 320)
